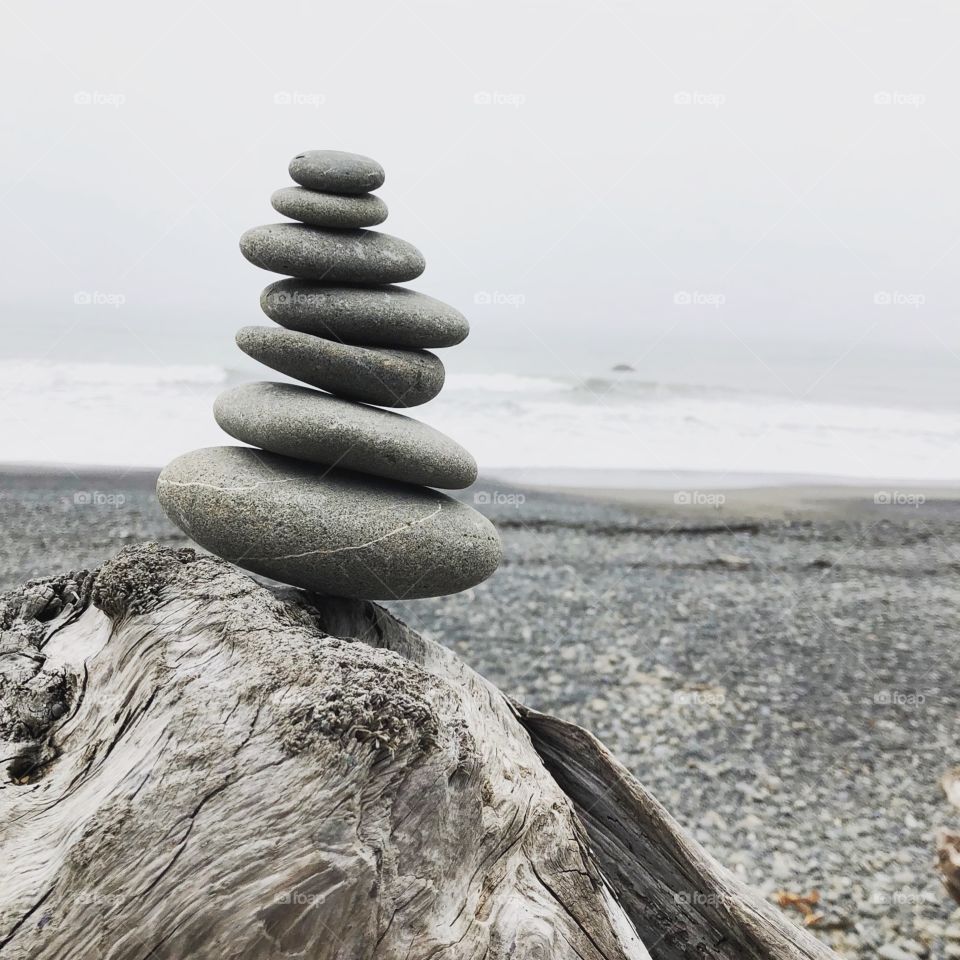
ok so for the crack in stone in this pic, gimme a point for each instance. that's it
(213, 486)
(359, 546)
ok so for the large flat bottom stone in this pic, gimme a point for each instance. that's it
(332, 532)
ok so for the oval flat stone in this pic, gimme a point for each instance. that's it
(334, 171)
(388, 316)
(329, 209)
(303, 423)
(328, 531)
(390, 378)
(354, 256)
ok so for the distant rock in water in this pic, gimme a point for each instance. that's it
(623, 368)
(334, 495)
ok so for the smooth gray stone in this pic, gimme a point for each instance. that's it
(329, 209)
(354, 256)
(389, 378)
(388, 316)
(334, 171)
(309, 425)
(329, 531)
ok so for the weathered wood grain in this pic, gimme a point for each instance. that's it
(194, 765)
(680, 900)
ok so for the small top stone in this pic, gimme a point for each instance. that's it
(334, 171)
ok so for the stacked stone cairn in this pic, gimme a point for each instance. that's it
(334, 493)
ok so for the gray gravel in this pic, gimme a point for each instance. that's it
(786, 687)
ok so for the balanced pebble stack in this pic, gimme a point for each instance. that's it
(333, 493)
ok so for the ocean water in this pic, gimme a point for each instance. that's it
(128, 414)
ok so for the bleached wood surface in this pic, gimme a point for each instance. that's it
(196, 766)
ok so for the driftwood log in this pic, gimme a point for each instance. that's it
(197, 766)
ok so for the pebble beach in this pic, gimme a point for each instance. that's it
(780, 671)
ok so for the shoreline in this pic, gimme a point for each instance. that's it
(769, 502)
(683, 492)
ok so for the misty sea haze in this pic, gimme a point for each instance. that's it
(741, 413)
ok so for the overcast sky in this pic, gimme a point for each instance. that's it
(586, 180)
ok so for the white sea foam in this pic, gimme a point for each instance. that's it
(134, 415)
(40, 375)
